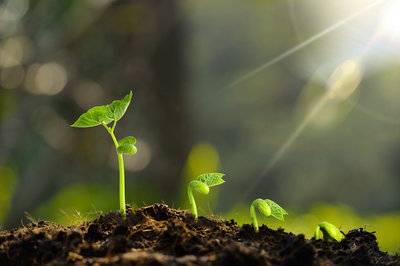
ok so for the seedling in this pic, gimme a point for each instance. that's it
(104, 115)
(202, 184)
(329, 232)
(267, 208)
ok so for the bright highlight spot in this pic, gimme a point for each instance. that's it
(51, 78)
(13, 9)
(390, 23)
(349, 67)
(88, 93)
(11, 53)
(203, 158)
(51, 127)
(46, 79)
(324, 101)
(344, 80)
(140, 160)
(332, 95)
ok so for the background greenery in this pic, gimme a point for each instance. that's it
(317, 130)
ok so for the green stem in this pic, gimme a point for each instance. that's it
(200, 187)
(254, 217)
(121, 186)
(316, 234)
(192, 203)
(121, 172)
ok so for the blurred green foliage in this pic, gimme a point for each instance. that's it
(8, 181)
(77, 203)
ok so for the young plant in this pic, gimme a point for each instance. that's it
(104, 115)
(202, 184)
(329, 232)
(266, 208)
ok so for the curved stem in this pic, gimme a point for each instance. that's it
(200, 187)
(254, 217)
(264, 209)
(316, 234)
(192, 203)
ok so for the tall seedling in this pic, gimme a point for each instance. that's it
(104, 115)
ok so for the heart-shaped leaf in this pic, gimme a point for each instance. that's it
(276, 210)
(118, 108)
(211, 179)
(104, 113)
(93, 117)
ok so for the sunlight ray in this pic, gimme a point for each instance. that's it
(288, 143)
(301, 45)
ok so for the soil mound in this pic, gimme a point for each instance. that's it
(158, 235)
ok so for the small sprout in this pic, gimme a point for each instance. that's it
(329, 232)
(266, 208)
(104, 115)
(202, 184)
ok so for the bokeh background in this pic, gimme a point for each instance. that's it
(296, 101)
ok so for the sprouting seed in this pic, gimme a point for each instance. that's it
(266, 208)
(329, 232)
(202, 184)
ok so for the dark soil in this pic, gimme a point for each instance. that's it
(158, 235)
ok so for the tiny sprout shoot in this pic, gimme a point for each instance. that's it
(329, 232)
(202, 184)
(266, 208)
(104, 115)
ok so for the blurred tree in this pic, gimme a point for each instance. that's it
(102, 49)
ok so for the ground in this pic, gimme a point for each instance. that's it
(159, 235)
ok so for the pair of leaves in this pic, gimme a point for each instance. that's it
(104, 114)
(275, 210)
(211, 179)
(127, 145)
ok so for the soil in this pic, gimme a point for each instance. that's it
(158, 235)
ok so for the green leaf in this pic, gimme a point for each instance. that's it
(127, 140)
(276, 210)
(118, 108)
(104, 113)
(211, 179)
(93, 117)
(126, 149)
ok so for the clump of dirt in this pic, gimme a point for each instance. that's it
(158, 235)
